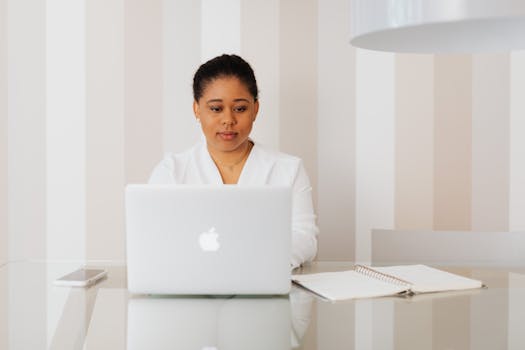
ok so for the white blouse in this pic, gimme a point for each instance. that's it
(263, 167)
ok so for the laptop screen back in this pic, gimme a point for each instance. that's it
(186, 239)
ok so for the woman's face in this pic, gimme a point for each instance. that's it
(226, 111)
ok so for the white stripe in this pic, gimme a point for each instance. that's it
(383, 324)
(26, 129)
(374, 147)
(221, 23)
(65, 134)
(490, 142)
(363, 324)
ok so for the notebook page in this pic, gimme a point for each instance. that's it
(346, 285)
(427, 279)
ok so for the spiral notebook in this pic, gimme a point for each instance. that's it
(368, 282)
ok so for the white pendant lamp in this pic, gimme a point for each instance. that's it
(438, 26)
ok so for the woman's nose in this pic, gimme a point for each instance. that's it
(228, 118)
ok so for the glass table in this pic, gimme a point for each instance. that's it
(35, 314)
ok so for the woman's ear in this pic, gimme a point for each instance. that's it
(196, 110)
(255, 109)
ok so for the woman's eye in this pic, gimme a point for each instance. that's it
(215, 108)
(240, 109)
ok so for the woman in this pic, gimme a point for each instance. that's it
(226, 105)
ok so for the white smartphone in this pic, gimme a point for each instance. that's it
(81, 278)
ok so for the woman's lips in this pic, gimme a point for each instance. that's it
(227, 135)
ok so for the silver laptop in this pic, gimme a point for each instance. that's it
(186, 239)
(209, 323)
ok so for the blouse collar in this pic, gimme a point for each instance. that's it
(256, 169)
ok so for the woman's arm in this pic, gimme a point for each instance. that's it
(163, 172)
(304, 227)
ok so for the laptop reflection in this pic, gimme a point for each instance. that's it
(206, 323)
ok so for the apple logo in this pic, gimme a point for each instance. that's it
(209, 240)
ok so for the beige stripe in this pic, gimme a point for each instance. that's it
(405, 328)
(490, 315)
(107, 328)
(298, 82)
(143, 88)
(453, 142)
(517, 143)
(181, 36)
(335, 132)
(265, 61)
(104, 129)
(3, 136)
(71, 327)
(414, 191)
(516, 305)
(4, 306)
(490, 142)
(450, 332)
(334, 327)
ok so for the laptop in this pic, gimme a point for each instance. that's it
(209, 323)
(206, 239)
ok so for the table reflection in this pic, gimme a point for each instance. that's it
(208, 323)
(34, 314)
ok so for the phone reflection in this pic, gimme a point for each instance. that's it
(208, 323)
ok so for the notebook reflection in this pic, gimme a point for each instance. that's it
(208, 323)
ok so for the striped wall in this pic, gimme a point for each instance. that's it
(3, 131)
(65, 128)
(336, 146)
(490, 142)
(298, 44)
(105, 130)
(517, 142)
(392, 141)
(375, 146)
(181, 30)
(414, 110)
(26, 119)
(452, 150)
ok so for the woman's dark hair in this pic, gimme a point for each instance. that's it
(224, 66)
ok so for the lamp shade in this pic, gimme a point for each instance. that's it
(438, 26)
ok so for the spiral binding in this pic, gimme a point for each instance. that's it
(367, 271)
